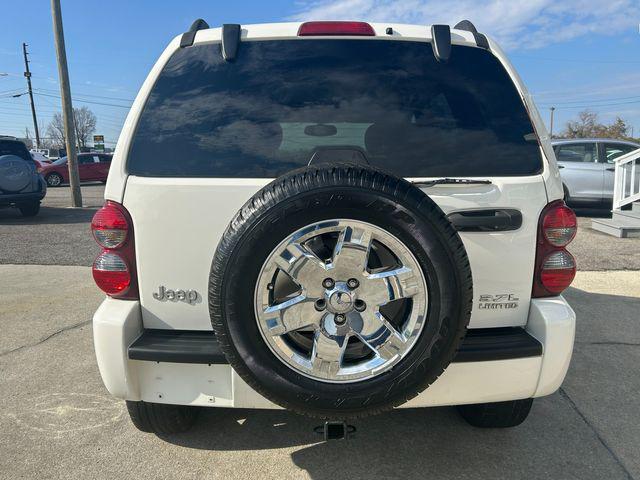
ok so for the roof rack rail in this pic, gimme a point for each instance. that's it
(466, 25)
(230, 41)
(441, 42)
(189, 36)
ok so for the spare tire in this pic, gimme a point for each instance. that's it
(340, 291)
(15, 173)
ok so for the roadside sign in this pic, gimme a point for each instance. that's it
(98, 142)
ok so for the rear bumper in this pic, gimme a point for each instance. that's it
(181, 367)
(17, 198)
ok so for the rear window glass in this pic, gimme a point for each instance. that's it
(282, 103)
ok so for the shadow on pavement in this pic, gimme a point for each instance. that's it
(593, 212)
(47, 216)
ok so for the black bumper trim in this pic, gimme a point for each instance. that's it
(189, 346)
(177, 346)
(486, 344)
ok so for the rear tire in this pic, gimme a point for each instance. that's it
(29, 209)
(162, 418)
(496, 415)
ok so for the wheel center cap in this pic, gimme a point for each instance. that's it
(339, 299)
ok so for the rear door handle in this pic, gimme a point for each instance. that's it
(560, 166)
(610, 169)
(491, 220)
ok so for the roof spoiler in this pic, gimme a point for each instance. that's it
(230, 41)
(481, 40)
(230, 37)
(189, 36)
(441, 42)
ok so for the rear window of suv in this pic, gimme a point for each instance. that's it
(282, 103)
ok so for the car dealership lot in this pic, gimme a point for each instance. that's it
(58, 421)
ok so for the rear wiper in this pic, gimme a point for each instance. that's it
(450, 181)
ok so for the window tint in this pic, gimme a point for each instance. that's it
(283, 102)
(577, 152)
(105, 158)
(84, 159)
(615, 150)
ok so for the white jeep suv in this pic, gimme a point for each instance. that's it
(336, 218)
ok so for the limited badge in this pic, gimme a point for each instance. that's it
(501, 301)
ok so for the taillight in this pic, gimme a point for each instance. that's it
(360, 29)
(555, 266)
(114, 270)
(111, 273)
(559, 225)
(110, 226)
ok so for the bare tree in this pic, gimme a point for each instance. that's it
(55, 130)
(85, 123)
(587, 125)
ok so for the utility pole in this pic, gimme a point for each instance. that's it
(27, 74)
(67, 107)
(551, 125)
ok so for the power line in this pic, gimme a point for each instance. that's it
(86, 101)
(586, 100)
(573, 60)
(130, 100)
(596, 106)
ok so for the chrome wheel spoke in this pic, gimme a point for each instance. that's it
(305, 268)
(293, 314)
(381, 337)
(351, 252)
(384, 287)
(327, 353)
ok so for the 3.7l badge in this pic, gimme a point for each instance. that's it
(501, 301)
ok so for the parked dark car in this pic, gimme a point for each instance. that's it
(91, 167)
(21, 185)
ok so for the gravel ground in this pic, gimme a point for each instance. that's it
(60, 235)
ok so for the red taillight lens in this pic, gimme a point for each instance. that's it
(560, 225)
(111, 273)
(110, 226)
(558, 271)
(555, 267)
(114, 270)
(361, 29)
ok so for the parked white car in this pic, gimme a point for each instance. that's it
(588, 168)
(295, 218)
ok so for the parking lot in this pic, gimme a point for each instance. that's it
(58, 421)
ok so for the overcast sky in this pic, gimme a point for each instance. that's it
(571, 53)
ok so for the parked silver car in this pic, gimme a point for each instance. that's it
(588, 167)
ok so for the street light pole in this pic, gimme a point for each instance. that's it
(551, 124)
(27, 74)
(67, 108)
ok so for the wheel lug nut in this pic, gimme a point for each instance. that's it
(340, 318)
(353, 283)
(359, 305)
(320, 304)
(328, 283)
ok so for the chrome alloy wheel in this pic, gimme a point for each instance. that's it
(341, 301)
